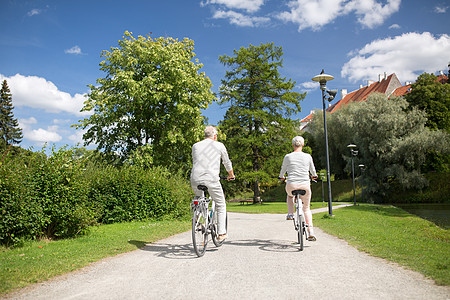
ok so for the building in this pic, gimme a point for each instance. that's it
(385, 85)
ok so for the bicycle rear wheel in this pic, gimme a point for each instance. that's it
(215, 229)
(199, 232)
(300, 228)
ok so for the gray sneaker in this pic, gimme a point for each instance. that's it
(289, 217)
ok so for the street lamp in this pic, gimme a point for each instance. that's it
(353, 152)
(363, 168)
(322, 79)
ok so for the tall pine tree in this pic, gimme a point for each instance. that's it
(10, 133)
(257, 124)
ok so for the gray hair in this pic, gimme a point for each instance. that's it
(298, 141)
(210, 131)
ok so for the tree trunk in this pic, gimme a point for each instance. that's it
(256, 192)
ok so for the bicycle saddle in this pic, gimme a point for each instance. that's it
(298, 192)
(202, 187)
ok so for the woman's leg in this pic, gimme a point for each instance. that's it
(289, 198)
(306, 205)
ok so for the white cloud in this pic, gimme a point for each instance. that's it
(37, 92)
(34, 12)
(77, 137)
(315, 14)
(240, 19)
(407, 55)
(394, 26)
(309, 86)
(440, 9)
(39, 136)
(42, 135)
(371, 13)
(74, 50)
(250, 6)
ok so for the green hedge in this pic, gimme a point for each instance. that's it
(132, 193)
(62, 195)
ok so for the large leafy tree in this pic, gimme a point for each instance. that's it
(10, 133)
(392, 141)
(433, 97)
(152, 94)
(257, 124)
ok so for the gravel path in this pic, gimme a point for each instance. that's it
(258, 261)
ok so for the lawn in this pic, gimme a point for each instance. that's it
(393, 234)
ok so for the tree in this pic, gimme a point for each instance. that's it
(10, 133)
(433, 97)
(392, 141)
(152, 94)
(257, 124)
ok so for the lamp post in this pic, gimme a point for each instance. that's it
(363, 168)
(322, 177)
(353, 153)
(322, 79)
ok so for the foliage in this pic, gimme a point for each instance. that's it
(257, 124)
(133, 193)
(62, 195)
(438, 191)
(433, 97)
(43, 196)
(152, 94)
(392, 141)
(10, 133)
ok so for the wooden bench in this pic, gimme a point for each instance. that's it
(246, 201)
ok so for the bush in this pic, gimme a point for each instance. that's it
(43, 196)
(133, 193)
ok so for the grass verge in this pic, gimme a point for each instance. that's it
(267, 208)
(393, 234)
(40, 260)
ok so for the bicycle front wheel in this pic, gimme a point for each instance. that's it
(199, 232)
(215, 229)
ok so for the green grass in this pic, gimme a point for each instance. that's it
(393, 234)
(342, 190)
(40, 260)
(267, 208)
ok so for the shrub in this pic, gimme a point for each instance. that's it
(133, 193)
(43, 196)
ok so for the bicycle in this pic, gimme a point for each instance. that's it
(204, 221)
(299, 218)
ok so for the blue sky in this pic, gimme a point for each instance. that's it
(50, 50)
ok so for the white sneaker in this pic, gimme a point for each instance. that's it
(222, 237)
(289, 217)
(311, 236)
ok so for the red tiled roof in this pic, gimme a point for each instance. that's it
(307, 118)
(402, 91)
(443, 79)
(385, 86)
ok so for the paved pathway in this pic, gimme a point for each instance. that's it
(258, 261)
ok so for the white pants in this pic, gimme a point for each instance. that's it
(216, 193)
